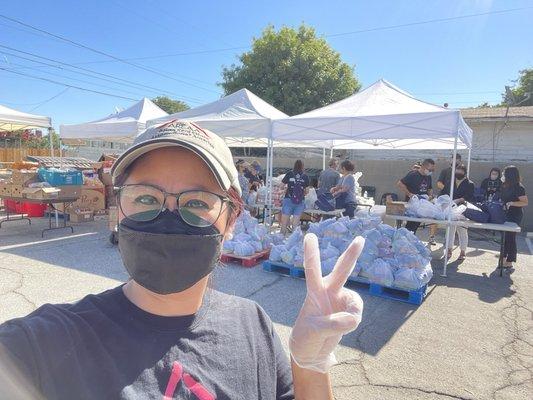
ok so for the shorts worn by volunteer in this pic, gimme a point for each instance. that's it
(106, 347)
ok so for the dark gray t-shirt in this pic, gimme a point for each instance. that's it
(349, 182)
(328, 178)
(104, 347)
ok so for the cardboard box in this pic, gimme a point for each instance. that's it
(16, 190)
(395, 207)
(81, 216)
(24, 177)
(90, 199)
(70, 191)
(5, 189)
(41, 193)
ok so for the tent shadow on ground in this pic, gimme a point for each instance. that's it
(87, 249)
(490, 286)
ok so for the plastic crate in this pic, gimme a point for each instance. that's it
(33, 209)
(59, 178)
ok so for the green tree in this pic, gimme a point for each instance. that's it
(524, 85)
(169, 105)
(293, 70)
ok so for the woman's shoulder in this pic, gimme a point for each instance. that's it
(239, 309)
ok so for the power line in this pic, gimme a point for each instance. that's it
(76, 80)
(388, 27)
(126, 82)
(80, 45)
(67, 85)
(382, 28)
(50, 99)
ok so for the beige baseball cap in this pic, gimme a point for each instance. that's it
(210, 147)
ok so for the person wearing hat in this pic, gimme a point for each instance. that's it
(165, 333)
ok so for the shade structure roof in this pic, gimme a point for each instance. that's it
(12, 120)
(240, 114)
(124, 125)
(380, 116)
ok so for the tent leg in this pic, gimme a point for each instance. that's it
(60, 155)
(50, 138)
(468, 163)
(449, 217)
(323, 158)
(331, 152)
(270, 175)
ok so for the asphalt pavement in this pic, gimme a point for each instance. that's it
(471, 338)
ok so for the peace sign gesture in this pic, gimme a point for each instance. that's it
(329, 311)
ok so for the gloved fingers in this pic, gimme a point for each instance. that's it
(352, 302)
(345, 265)
(333, 324)
(313, 270)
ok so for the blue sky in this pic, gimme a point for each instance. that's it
(463, 62)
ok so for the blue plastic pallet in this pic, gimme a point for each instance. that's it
(387, 292)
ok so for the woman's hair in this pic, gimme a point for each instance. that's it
(512, 176)
(348, 165)
(298, 166)
(495, 170)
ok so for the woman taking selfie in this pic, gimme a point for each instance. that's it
(165, 334)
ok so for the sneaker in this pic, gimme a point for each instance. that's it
(432, 241)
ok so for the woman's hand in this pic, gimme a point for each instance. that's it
(329, 310)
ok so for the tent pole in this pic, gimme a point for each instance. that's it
(323, 158)
(449, 217)
(468, 163)
(269, 190)
(51, 145)
(60, 155)
(331, 152)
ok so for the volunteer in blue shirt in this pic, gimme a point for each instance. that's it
(344, 192)
(164, 333)
(294, 202)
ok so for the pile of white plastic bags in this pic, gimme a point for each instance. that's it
(249, 237)
(390, 257)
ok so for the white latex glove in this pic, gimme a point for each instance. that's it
(329, 311)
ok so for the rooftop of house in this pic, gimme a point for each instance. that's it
(497, 112)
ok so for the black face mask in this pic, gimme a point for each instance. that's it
(166, 255)
(459, 176)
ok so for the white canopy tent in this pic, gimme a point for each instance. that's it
(381, 116)
(13, 120)
(121, 126)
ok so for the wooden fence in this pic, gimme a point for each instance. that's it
(18, 154)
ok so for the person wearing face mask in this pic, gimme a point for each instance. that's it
(417, 182)
(244, 183)
(491, 186)
(445, 176)
(165, 333)
(463, 191)
(514, 198)
(344, 192)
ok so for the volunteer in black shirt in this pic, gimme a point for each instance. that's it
(164, 333)
(417, 182)
(445, 176)
(514, 198)
(492, 185)
(463, 191)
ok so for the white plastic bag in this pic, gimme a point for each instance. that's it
(413, 278)
(380, 272)
(275, 252)
(243, 249)
(310, 198)
(228, 246)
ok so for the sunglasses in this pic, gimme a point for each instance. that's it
(143, 203)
